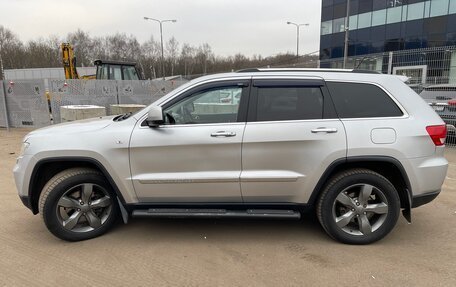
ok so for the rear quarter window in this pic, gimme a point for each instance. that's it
(359, 100)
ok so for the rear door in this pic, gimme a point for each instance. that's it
(291, 137)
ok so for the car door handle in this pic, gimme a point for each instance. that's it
(324, 130)
(223, 134)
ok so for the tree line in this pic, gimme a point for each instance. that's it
(180, 59)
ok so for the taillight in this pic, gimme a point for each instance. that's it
(437, 134)
(452, 103)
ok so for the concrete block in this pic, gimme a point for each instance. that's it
(125, 108)
(80, 112)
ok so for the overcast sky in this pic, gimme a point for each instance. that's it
(229, 26)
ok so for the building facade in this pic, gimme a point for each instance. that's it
(377, 26)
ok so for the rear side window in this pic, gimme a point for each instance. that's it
(356, 100)
(289, 103)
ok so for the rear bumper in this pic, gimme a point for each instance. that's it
(422, 199)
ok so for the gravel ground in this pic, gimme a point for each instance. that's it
(188, 252)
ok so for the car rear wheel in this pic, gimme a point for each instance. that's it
(78, 204)
(358, 206)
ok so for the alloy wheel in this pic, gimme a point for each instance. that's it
(84, 207)
(360, 209)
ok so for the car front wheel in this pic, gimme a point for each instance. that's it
(78, 204)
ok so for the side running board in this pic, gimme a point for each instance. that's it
(208, 213)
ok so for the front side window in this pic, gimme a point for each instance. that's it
(359, 100)
(219, 105)
(289, 103)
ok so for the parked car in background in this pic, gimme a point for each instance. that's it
(442, 98)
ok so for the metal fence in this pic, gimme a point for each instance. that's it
(25, 103)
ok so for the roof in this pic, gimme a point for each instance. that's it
(113, 62)
(307, 70)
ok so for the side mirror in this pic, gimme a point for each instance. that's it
(155, 117)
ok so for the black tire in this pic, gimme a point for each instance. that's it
(72, 180)
(346, 184)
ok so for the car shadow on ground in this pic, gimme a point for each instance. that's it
(220, 229)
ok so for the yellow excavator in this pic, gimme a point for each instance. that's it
(106, 69)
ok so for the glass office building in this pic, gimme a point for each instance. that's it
(377, 26)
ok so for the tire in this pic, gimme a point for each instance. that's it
(64, 211)
(348, 215)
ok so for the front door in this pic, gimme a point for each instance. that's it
(196, 155)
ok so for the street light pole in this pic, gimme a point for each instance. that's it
(161, 41)
(346, 34)
(297, 36)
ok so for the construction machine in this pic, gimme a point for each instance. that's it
(106, 69)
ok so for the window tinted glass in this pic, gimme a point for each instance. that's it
(379, 17)
(452, 6)
(130, 73)
(394, 15)
(115, 73)
(338, 25)
(354, 100)
(102, 72)
(219, 105)
(326, 27)
(353, 22)
(364, 20)
(439, 7)
(289, 103)
(415, 11)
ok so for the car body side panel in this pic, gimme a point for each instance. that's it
(107, 144)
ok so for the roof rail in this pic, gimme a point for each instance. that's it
(253, 70)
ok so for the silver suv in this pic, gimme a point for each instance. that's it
(355, 147)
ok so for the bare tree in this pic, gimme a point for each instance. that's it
(187, 60)
(150, 55)
(83, 46)
(203, 56)
(188, 54)
(11, 49)
(172, 53)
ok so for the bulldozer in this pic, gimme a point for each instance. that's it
(106, 69)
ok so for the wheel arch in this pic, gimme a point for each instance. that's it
(45, 169)
(389, 167)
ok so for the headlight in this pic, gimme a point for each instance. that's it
(24, 147)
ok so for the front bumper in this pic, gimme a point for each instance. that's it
(22, 173)
(422, 199)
